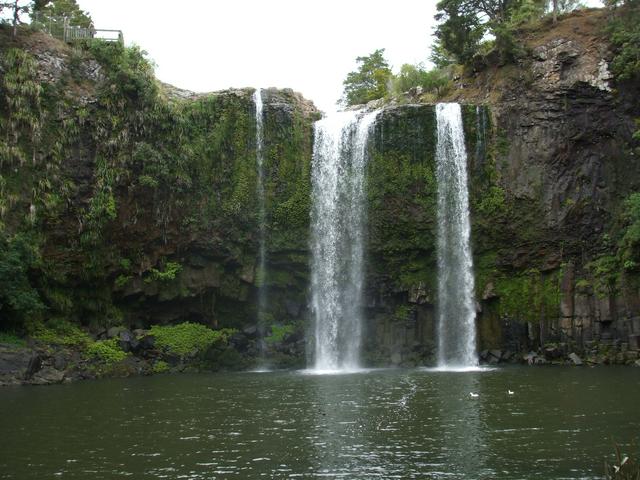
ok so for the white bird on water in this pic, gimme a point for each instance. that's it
(509, 392)
(474, 395)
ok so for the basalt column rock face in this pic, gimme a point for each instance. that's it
(547, 209)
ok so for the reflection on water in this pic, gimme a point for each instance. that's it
(408, 424)
(460, 411)
(339, 433)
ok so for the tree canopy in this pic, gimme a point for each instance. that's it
(369, 81)
(63, 8)
(465, 24)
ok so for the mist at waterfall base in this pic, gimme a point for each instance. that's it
(338, 223)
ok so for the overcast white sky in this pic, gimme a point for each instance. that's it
(210, 45)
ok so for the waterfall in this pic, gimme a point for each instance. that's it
(338, 220)
(456, 304)
(261, 274)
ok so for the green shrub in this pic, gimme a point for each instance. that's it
(122, 280)
(12, 339)
(160, 367)
(278, 332)
(605, 271)
(188, 338)
(435, 81)
(59, 332)
(18, 298)
(369, 81)
(624, 34)
(107, 351)
(629, 247)
(170, 271)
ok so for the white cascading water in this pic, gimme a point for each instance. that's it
(260, 191)
(456, 304)
(338, 220)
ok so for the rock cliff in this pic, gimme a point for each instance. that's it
(127, 202)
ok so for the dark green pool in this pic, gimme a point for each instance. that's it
(558, 423)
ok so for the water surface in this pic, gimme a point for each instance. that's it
(384, 424)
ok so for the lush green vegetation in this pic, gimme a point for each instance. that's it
(530, 297)
(12, 339)
(369, 81)
(59, 332)
(188, 339)
(166, 168)
(107, 351)
(54, 9)
(278, 332)
(621, 260)
(624, 34)
(374, 80)
(470, 27)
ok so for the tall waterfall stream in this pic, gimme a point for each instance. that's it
(456, 305)
(338, 222)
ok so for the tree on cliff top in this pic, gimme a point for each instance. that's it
(17, 8)
(62, 8)
(465, 24)
(369, 82)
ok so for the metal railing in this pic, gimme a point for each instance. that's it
(61, 28)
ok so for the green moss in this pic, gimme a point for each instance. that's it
(188, 338)
(59, 332)
(530, 296)
(278, 332)
(171, 269)
(402, 197)
(160, 366)
(12, 339)
(605, 271)
(122, 280)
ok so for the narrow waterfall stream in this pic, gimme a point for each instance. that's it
(338, 220)
(456, 305)
(260, 192)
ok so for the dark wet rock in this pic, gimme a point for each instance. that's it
(148, 342)
(60, 360)
(292, 307)
(294, 337)
(127, 341)
(251, 331)
(47, 376)
(553, 352)
(239, 341)
(114, 332)
(35, 364)
(13, 364)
